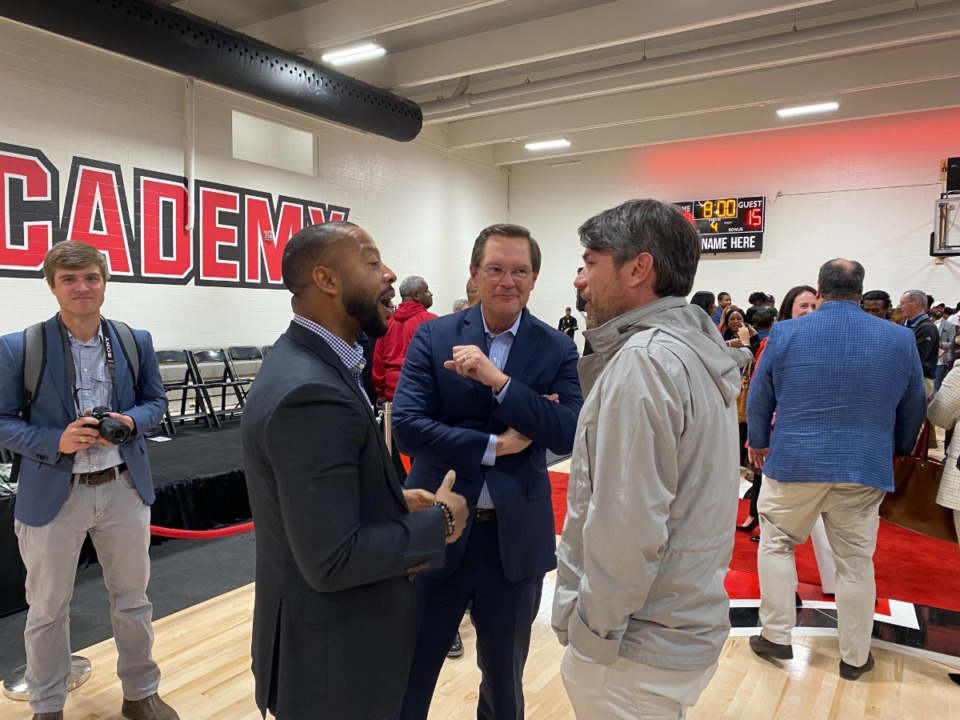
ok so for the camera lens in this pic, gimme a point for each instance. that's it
(111, 430)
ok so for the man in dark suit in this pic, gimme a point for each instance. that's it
(848, 394)
(73, 481)
(486, 392)
(338, 539)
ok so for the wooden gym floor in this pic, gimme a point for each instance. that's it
(204, 654)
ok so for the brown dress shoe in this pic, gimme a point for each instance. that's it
(150, 708)
(58, 715)
(770, 650)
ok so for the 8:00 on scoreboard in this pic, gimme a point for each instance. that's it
(727, 224)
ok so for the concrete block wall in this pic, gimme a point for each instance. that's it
(68, 100)
(861, 189)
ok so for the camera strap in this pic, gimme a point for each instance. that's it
(110, 360)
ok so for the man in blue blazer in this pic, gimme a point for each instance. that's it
(487, 392)
(73, 481)
(848, 392)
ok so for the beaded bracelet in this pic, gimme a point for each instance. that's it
(447, 517)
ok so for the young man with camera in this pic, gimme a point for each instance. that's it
(74, 479)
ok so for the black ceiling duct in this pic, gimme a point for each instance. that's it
(191, 46)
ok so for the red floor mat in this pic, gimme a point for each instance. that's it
(909, 566)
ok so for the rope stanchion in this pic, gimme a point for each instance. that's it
(201, 534)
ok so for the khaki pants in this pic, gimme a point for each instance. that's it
(119, 523)
(851, 519)
(628, 690)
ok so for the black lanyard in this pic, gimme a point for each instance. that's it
(71, 367)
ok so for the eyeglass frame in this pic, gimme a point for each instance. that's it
(495, 272)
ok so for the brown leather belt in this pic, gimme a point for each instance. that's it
(485, 515)
(100, 476)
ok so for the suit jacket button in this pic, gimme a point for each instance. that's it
(414, 569)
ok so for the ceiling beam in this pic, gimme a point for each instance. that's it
(609, 25)
(338, 22)
(826, 79)
(872, 102)
(808, 46)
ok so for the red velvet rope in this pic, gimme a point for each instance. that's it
(201, 534)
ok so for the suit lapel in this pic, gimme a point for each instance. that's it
(302, 336)
(56, 369)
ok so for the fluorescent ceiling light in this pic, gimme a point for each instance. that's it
(808, 109)
(548, 144)
(354, 54)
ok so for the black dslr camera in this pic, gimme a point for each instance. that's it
(111, 430)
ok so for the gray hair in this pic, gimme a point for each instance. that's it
(410, 285)
(459, 304)
(648, 226)
(920, 296)
(842, 279)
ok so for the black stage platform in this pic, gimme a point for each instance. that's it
(199, 484)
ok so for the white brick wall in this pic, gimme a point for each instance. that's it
(860, 189)
(65, 99)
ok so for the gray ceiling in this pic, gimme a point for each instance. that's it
(491, 75)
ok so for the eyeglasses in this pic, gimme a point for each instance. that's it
(495, 272)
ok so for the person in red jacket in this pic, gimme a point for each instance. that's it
(416, 300)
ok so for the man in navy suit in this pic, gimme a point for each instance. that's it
(73, 481)
(486, 392)
(848, 392)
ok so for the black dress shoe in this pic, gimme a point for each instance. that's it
(852, 672)
(456, 649)
(749, 527)
(770, 650)
(954, 677)
(58, 715)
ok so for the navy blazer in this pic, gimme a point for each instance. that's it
(44, 483)
(444, 420)
(848, 392)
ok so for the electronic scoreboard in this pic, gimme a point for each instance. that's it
(727, 225)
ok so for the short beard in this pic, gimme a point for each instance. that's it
(365, 312)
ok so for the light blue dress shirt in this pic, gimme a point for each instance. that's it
(498, 350)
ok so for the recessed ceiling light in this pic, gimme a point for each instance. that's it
(808, 109)
(548, 144)
(354, 54)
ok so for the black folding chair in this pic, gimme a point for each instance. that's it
(245, 361)
(214, 370)
(187, 388)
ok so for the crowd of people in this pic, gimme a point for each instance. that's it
(365, 569)
(826, 479)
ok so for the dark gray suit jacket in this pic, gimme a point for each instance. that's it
(333, 624)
